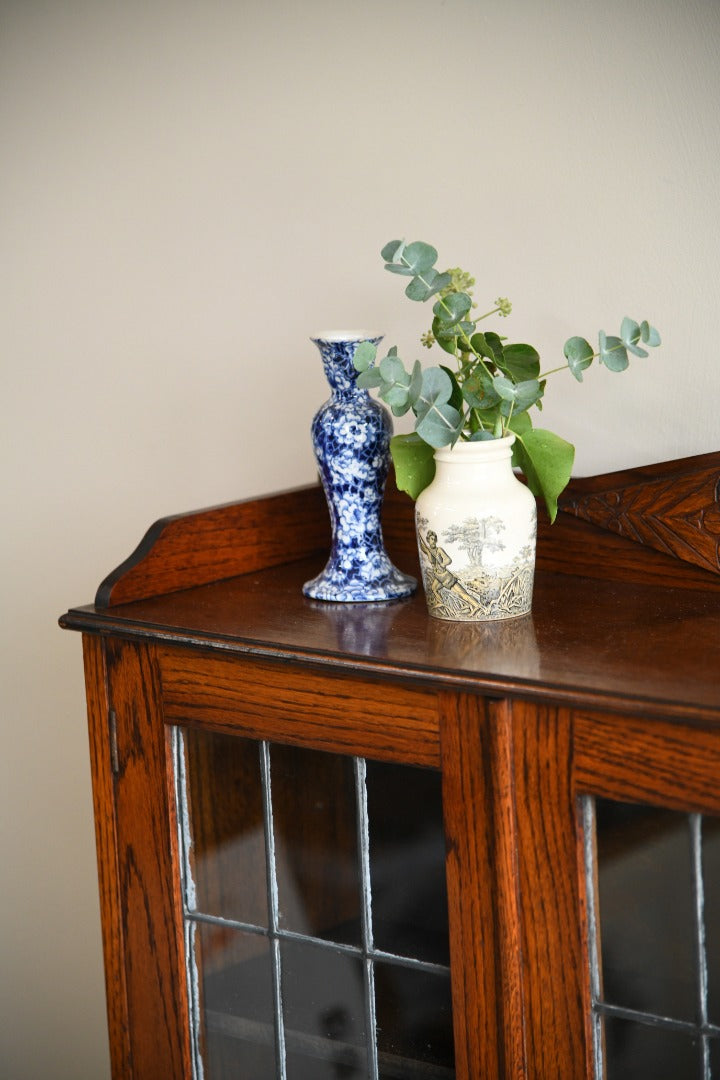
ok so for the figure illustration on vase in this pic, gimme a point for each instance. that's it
(465, 578)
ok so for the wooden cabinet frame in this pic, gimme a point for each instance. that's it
(612, 688)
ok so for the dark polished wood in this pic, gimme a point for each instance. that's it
(611, 688)
(673, 506)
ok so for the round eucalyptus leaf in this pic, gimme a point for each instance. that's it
(419, 257)
(436, 388)
(440, 425)
(426, 285)
(452, 308)
(390, 250)
(579, 355)
(504, 388)
(613, 353)
(631, 333)
(364, 355)
(649, 334)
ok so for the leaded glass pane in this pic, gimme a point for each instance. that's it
(237, 1014)
(637, 1051)
(315, 821)
(226, 849)
(407, 861)
(653, 881)
(647, 909)
(324, 1008)
(414, 1022)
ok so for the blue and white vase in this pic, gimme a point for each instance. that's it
(351, 438)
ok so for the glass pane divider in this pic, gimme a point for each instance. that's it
(588, 816)
(273, 911)
(363, 828)
(323, 943)
(187, 887)
(652, 1020)
(695, 824)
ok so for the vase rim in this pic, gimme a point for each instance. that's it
(477, 450)
(345, 335)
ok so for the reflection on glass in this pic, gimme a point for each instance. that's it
(414, 1021)
(237, 1003)
(227, 855)
(302, 869)
(314, 811)
(635, 1051)
(647, 910)
(324, 1008)
(407, 861)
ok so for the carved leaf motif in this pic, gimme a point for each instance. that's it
(674, 508)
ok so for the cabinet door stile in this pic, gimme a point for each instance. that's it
(148, 875)
(100, 737)
(469, 842)
(550, 865)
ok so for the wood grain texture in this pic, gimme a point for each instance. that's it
(549, 859)
(507, 890)
(626, 758)
(147, 871)
(673, 507)
(193, 549)
(114, 943)
(286, 703)
(470, 878)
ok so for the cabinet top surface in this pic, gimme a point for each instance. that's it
(588, 642)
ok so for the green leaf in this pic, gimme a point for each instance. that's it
(630, 333)
(411, 260)
(579, 355)
(613, 353)
(504, 387)
(521, 361)
(389, 251)
(431, 282)
(649, 334)
(439, 423)
(479, 391)
(547, 461)
(520, 396)
(456, 398)
(364, 355)
(452, 308)
(414, 463)
(495, 342)
(415, 387)
(396, 380)
(482, 348)
(369, 379)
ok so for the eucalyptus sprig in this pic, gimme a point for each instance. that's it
(492, 386)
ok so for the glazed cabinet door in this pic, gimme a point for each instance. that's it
(651, 804)
(273, 870)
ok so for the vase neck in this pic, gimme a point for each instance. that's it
(337, 352)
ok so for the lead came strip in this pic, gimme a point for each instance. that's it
(273, 911)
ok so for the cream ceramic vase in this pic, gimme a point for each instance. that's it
(476, 525)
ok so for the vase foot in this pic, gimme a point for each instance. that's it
(336, 585)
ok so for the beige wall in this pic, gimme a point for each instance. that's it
(187, 190)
